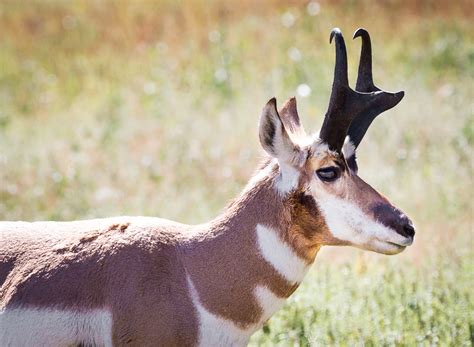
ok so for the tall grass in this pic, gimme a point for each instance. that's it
(150, 108)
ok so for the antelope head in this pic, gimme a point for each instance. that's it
(319, 174)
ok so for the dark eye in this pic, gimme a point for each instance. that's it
(328, 174)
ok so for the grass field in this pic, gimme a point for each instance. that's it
(150, 108)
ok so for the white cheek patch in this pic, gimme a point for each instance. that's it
(348, 222)
(48, 327)
(280, 255)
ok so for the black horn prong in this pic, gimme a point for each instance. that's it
(362, 120)
(337, 120)
(340, 69)
(350, 112)
(365, 82)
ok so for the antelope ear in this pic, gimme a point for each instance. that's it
(275, 139)
(291, 120)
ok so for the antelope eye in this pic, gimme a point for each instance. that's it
(328, 174)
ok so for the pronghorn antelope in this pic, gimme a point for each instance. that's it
(143, 281)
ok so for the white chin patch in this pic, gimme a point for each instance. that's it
(349, 223)
(385, 248)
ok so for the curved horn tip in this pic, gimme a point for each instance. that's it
(361, 32)
(400, 95)
(334, 32)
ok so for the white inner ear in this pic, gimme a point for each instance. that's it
(286, 151)
(289, 155)
(291, 158)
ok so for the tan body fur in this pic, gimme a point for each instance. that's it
(136, 266)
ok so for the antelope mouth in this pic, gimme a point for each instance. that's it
(391, 247)
(407, 242)
(400, 242)
(396, 245)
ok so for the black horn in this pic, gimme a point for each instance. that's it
(345, 104)
(365, 84)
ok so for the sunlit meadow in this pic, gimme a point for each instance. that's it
(150, 108)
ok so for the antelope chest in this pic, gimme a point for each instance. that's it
(215, 330)
(218, 331)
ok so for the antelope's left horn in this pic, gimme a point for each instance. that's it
(365, 84)
(345, 104)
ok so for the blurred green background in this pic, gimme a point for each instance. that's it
(150, 108)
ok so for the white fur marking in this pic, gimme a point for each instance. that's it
(348, 148)
(280, 255)
(349, 223)
(217, 331)
(261, 175)
(288, 179)
(48, 327)
(269, 302)
(321, 148)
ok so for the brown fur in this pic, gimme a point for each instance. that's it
(136, 267)
(135, 273)
(309, 231)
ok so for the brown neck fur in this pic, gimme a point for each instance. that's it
(229, 243)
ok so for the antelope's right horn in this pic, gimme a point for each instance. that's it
(365, 84)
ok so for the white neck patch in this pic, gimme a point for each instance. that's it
(280, 255)
(269, 302)
(215, 330)
(218, 331)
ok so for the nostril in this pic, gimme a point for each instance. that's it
(409, 230)
(394, 219)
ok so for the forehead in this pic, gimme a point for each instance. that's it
(321, 156)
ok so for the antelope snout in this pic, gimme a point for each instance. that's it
(405, 227)
(396, 220)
